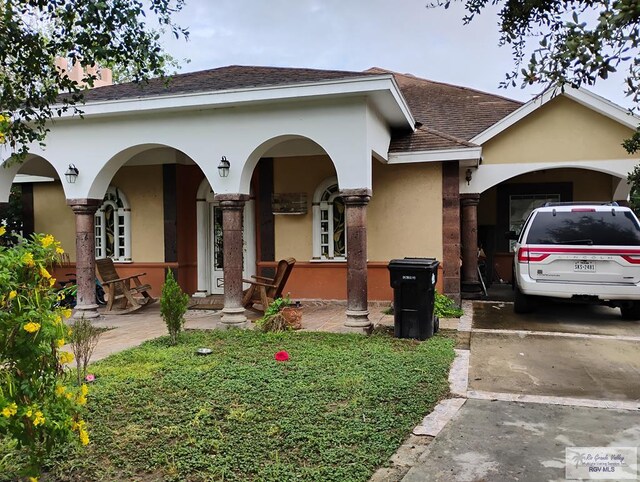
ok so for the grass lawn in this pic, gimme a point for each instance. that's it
(337, 410)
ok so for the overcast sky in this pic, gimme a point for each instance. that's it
(399, 35)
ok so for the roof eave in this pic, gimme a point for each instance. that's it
(436, 155)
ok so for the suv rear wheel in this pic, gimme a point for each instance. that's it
(631, 311)
(522, 303)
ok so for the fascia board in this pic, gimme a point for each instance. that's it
(436, 155)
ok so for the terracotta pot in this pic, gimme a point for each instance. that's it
(292, 316)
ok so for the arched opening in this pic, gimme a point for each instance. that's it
(505, 207)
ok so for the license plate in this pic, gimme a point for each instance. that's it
(585, 266)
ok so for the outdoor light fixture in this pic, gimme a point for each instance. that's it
(223, 167)
(71, 174)
(468, 176)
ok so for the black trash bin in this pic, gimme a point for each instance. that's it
(414, 284)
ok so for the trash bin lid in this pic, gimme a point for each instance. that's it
(414, 263)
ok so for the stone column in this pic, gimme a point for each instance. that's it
(85, 210)
(232, 206)
(470, 280)
(356, 201)
(451, 230)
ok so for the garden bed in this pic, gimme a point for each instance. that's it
(337, 410)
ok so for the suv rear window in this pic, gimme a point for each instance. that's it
(601, 228)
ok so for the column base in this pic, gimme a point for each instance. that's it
(86, 311)
(471, 287)
(234, 318)
(358, 322)
(199, 294)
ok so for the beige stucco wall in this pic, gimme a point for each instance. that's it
(142, 185)
(53, 216)
(561, 130)
(404, 216)
(587, 186)
(405, 213)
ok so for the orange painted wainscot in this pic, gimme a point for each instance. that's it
(328, 281)
(155, 273)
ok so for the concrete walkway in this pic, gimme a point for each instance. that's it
(529, 388)
(127, 331)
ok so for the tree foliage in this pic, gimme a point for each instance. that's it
(574, 42)
(89, 32)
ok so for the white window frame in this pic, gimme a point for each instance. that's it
(319, 205)
(117, 200)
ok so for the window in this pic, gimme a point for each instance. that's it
(113, 227)
(329, 222)
(521, 205)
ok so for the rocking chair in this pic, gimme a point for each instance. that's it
(120, 290)
(265, 290)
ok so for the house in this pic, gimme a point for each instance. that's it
(220, 173)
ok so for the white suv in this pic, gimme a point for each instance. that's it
(581, 251)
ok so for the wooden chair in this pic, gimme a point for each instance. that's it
(265, 290)
(120, 290)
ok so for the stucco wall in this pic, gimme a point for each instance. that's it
(404, 216)
(561, 130)
(142, 185)
(53, 216)
(405, 213)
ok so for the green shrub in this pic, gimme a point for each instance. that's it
(173, 306)
(84, 338)
(272, 320)
(37, 409)
(445, 307)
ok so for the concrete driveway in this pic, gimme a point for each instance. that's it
(565, 376)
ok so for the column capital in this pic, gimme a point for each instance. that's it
(356, 197)
(470, 199)
(84, 205)
(232, 201)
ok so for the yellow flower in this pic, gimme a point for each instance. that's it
(66, 313)
(60, 389)
(2, 118)
(2, 228)
(33, 479)
(84, 437)
(10, 410)
(84, 389)
(12, 294)
(39, 419)
(52, 281)
(60, 343)
(82, 400)
(65, 357)
(59, 250)
(44, 273)
(47, 241)
(69, 395)
(29, 413)
(31, 327)
(57, 320)
(27, 258)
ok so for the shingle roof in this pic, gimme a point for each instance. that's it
(223, 78)
(459, 112)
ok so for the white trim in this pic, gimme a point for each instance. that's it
(581, 96)
(101, 232)
(366, 85)
(22, 178)
(436, 155)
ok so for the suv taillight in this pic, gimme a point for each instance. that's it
(527, 255)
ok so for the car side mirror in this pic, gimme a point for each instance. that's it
(511, 235)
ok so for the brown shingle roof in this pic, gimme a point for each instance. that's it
(223, 78)
(424, 139)
(459, 112)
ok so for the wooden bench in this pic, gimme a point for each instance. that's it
(121, 291)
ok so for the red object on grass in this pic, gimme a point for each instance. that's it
(282, 356)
